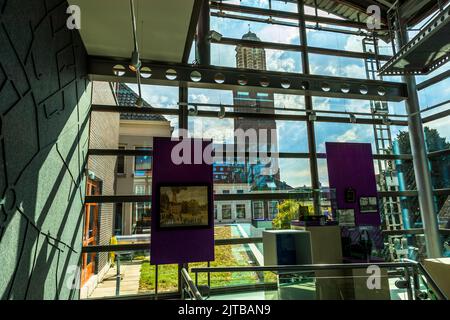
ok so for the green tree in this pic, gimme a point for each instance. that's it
(288, 211)
(439, 166)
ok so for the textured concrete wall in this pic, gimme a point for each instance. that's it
(44, 128)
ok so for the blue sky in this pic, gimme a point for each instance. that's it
(292, 135)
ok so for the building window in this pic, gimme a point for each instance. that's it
(240, 211)
(142, 164)
(226, 211)
(118, 219)
(258, 210)
(215, 211)
(121, 162)
(139, 190)
(240, 191)
(226, 191)
(142, 213)
(273, 209)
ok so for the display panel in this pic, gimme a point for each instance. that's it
(183, 206)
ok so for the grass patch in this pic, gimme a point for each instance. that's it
(225, 256)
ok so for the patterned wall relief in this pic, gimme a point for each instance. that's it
(44, 126)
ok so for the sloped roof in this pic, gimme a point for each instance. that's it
(127, 97)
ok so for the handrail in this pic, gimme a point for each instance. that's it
(439, 294)
(192, 289)
(304, 268)
(219, 242)
(437, 291)
(145, 246)
(405, 263)
(414, 231)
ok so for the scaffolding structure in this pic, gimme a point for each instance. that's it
(391, 211)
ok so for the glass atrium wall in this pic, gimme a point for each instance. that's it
(242, 193)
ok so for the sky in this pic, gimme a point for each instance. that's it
(292, 136)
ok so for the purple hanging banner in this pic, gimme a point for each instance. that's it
(180, 167)
(351, 172)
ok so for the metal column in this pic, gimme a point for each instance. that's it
(203, 43)
(183, 108)
(315, 184)
(420, 162)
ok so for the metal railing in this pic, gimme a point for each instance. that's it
(414, 269)
(411, 270)
(188, 287)
(434, 287)
(145, 246)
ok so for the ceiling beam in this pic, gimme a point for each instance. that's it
(244, 79)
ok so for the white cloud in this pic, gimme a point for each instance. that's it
(220, 130)
(295, 172)
(354, 71)
(277, 33)
(198, 98)
(159, 96)
(348, 136)
(323, 104)
(276, 63)
(289, 101)
(353, 44)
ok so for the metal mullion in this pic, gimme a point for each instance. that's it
(440, 104)
(215, 105)
(299, 48)
(118, 199)
(280, 155)
(427, 83)
(312, 148)
(290, 117)
(307, 195)
(440, 153)
(253, 19)
(284, 23)
(214, 114)
(286, 15)
(407, 157)
(262, 196)
(360, 121)
(287, 117)
(133, 109)
(203, 29)
(439, 192)
(183, 113)
(119, 152)
(408, 193)
(436, 116)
